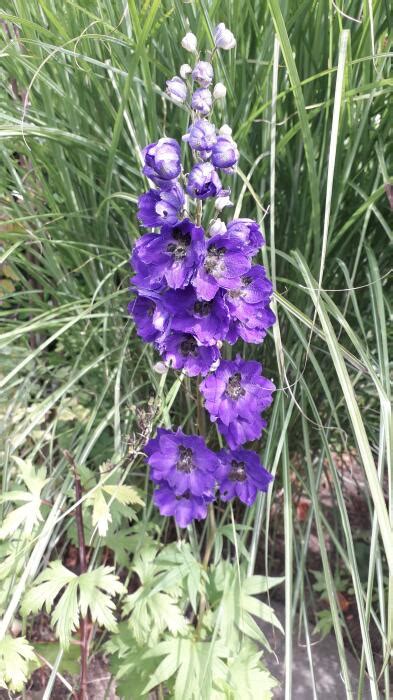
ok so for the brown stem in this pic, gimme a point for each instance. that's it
(84, 623)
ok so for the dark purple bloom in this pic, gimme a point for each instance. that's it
(182, 351)
(208, 321)
(202, 101)
(235, 395)
(248, 233)
(203, 181)
(176, 89)
(225, 153)
(203, 73)
(151, 319)
(183, 461)
(223, 264)
(184, 509)
(158, 207)
(201, 136)
(172, 255)
(162, 162)
(241, 474)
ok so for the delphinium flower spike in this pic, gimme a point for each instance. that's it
(197, 287)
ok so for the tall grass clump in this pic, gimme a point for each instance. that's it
(172, 610)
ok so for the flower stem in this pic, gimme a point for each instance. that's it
(198, 213)
(212, 529)
(84, 623)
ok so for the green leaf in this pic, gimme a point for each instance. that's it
(29, 514)
(91, 591)
(195, 663)
(46, 588)
(122, 493)
(247, 677)
(96, 589)
(15, 653)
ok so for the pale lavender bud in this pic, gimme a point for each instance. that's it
(201, 136)
(223, 37)
(217, 227)
(203, 73)
(176, 89)
(202, 101)
(189, 42)
(185, 70)
(225, 153)
(219, 91)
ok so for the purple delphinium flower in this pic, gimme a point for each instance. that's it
(182, 351)
(201, 136)
(172, 255)
(183, 461)
(223, 263)
(184, 509)
(248, 304)
(255, 329)
(248, 233)
(150, 317)
(241, 474)
(203, 73)
(159, 207)
(225, 153)
(143, 280)
(203, 181)
(202, 101)
(176, 89)
(208, 321)
(162, 162)
(235, 395)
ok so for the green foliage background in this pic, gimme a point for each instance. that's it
(308, 100)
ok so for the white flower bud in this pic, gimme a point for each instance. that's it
(222, 202)
(217, 227)
(219, 91)
(189, 42)
(160, 368)
(223, 37)
(225, 130)
(185, 70)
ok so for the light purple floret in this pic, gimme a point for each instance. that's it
(177, 89)
(201, 136)
(202, 101)
(203, 181)
(225, 153)
(162, 162)
(203, 73)
(159, 207)
(247, 233)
